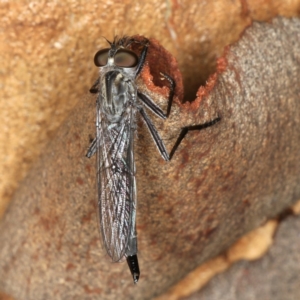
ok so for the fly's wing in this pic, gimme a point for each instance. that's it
(116, 183)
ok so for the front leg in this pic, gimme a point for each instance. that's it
(158, 111)
(153, 106)
(142, 58)
(95, 89)
(92, 149)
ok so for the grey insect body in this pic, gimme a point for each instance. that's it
(118, 101)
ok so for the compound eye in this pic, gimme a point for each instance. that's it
(101, 57)
(126, 59)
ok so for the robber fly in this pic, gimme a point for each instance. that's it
(118, 101)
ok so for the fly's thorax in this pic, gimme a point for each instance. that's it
(118, 91)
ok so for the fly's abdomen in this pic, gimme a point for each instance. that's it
(116, 180)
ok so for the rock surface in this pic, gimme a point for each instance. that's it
(275, 276)
(223, 182)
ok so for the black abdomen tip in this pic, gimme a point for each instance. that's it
(133, 265)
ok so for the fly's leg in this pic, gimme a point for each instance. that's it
(157, 139)
(94, 89)
(171, 94)
(158, 111)
(153, 106)
(142, 57)
(92, 149)
(186, 129)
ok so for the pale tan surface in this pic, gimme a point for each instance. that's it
(296, 208)
(274, 276)
(223, 182)
(251, 246)
(46, 56)
(5, 297)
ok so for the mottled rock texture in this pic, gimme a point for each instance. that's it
(46, 58)
(275, 276)
(222, 182)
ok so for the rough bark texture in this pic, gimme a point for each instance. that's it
(47, 48)
(251, 246)
(275, 276)
(221, 183)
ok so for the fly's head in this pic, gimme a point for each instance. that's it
(118, 69)
(118, 57)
